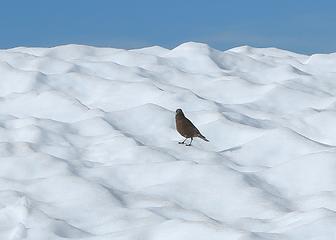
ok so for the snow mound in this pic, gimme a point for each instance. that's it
(89, 149)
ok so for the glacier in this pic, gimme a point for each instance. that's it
(88, 146)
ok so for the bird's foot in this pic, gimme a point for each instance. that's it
(181, 142)
(188, 144)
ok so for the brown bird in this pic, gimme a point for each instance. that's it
(186, 128)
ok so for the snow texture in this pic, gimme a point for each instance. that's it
(88, 146)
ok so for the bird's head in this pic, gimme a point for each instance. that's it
(179, 112)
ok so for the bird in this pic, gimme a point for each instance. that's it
(186, 128)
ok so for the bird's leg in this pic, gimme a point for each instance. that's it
(183, 141)
(190, 142)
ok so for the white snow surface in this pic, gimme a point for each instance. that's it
(88, 146)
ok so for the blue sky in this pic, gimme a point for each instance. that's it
(300, 26)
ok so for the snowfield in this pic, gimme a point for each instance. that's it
(88, 146)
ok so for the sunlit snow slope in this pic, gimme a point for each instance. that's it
(88, 147)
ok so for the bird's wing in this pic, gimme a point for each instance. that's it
(192, 125)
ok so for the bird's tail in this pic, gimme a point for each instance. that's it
(204, 138)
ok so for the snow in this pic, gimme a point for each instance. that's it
(88, 145)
